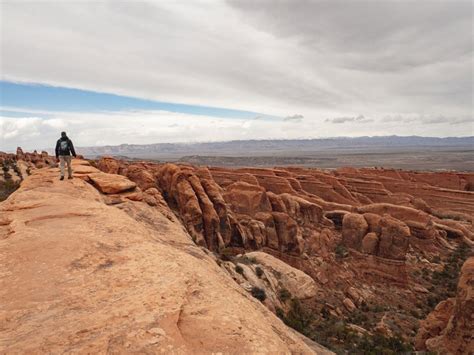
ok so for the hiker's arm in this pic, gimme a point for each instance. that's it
(57, 150)
(72, 148)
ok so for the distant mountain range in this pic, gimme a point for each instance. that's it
(264, 147)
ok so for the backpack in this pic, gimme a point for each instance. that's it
(64, 146)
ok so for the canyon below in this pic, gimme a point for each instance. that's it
(141, 256)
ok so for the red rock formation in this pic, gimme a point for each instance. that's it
(222, 207)
(33, 160)
(449, 329)
(371, 230)
(81, 276)
(354, 228)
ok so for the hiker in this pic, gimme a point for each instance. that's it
(64, 149)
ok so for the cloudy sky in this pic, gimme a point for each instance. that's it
(114, 72)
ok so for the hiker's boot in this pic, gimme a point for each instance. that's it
(61, 178)
(69, 177)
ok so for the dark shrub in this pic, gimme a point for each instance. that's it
(258, 271)
(325, 312)
(298, 318)
(341, 251)
(239, 269)
(251, 259)
(5, 169)
(226, 254)
(284, 294)
(280, 313)
(7, 188)
(259, 293)
(359, 318)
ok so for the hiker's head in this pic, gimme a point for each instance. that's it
(63, 135)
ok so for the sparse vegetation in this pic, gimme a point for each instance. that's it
(7, 187)
(380, 344)
(325, 312)
(258, 271)
(444, 282)
(298, 318)
(284, 295)
(259, 293)
(6, 173)
(239, 269)
(359, 318)
(250, 259)
(336, 335)
(226, 254)
(17, 170)
(280, 312)
(341, 251)
(448, 277)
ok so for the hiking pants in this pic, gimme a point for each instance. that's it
(65, 159)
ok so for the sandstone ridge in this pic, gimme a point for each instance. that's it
(365, 251)
(82, 274)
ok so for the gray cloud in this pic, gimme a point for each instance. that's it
(430, 120)
(319, 58)
(294, 118)
(357, 119)
(405, 56)
(387, 35)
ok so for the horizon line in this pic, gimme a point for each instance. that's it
(257, 140)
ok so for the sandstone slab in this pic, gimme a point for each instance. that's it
(111, 183)
(299, 284)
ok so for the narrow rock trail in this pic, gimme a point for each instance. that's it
(78, 275)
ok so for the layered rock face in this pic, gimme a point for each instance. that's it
(348, 229)
(88, 267)
(342, 243)
(282, 209)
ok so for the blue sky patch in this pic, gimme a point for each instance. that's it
(51, 98)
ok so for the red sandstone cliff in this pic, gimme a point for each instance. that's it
(370, 243)
(90, 268)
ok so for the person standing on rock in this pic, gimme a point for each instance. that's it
(64, 149)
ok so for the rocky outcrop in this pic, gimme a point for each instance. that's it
(394, 237)
(388, 236)
(276, 280)
(449, 328)
(111, 183)
(354, 228)
(434, 323)
(363, 241)
(79, 275)
(296, 282)
(236, 214)
(283, 209)
(35, 159)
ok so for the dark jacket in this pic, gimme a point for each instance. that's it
(69, 147)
